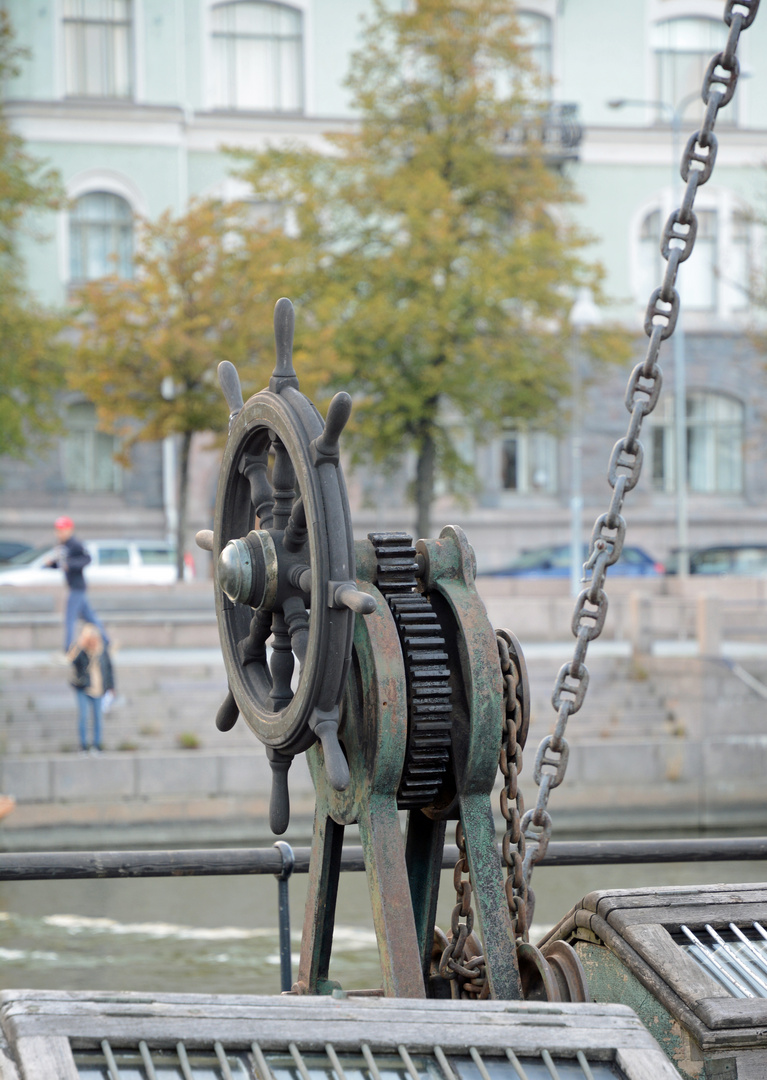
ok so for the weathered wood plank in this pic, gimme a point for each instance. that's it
(674, 965)
(419, 1037)
(8, 1070)
(646, 1065)
(732, 1012)
(364, 1009)
(690, 914)
(46, 1059)
(382, 1023)
(676, 897)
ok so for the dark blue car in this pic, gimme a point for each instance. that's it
(553, 561)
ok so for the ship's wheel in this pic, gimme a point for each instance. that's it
(284, 567)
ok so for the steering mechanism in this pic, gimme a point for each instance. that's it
(379, 660)
(284, 555)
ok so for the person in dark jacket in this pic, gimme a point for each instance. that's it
(92, 677)
(72, 558)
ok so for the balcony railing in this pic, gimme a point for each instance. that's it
(554, 125)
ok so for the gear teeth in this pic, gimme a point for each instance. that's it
(396, 566)
(427, 758)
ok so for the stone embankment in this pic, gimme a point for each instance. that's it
(667, 738)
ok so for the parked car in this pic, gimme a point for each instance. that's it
(745, 560)
(553, 561)
(9, 549)
(114, 562)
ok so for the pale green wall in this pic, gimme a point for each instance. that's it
(34, 28)
(603, 50)
(337, 25)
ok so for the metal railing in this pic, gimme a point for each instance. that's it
(281, 860)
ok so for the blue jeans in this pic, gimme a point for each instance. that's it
(82, 704)
(78, 607)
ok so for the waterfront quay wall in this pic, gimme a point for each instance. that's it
(669, 737)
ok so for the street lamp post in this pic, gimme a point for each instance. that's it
(583, 315)
(169, 469)
(680, 380)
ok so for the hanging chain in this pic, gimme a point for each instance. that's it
(625, 464)
(462, 961)
(512, 803)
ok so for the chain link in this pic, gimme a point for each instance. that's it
(625, 465)
(512, 803)
(457, 962)
(462, 960)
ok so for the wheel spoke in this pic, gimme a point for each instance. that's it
(282, 664)
(226, 717)
(297, 620)
(284, 480)
(253, 647)
(253, 467)
(295, 531)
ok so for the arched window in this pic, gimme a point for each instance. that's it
(683, 49)
(649, 267)
(257, 58)
(698, 282)
(536, 40)
(97, 48)
(714, 444)
(100, 237)
(89, 463)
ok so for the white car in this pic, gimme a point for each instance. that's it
(114, 562)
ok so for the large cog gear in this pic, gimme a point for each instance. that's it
(427, 757)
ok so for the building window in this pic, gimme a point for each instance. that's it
(89, 454)
(717, 278)
(97, 48)
(257, 56)
(714, 445)
(697, 281)
(650, 261)
(683, 49)
(536, 41)
(100, 237)
(529, 462)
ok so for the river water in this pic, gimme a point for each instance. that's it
(219, 935)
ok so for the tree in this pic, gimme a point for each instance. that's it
(33, 352)
(432, 259)
(190, 304)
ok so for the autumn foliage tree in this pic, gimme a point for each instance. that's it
(149, 346)
(432, 259)
(33, 352)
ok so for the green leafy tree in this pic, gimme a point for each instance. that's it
(33, 352)
(190, 304)
(431, 257)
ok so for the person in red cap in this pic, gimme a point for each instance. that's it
(71, 557)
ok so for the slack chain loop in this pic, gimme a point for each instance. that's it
(469, 973)
(677, 242)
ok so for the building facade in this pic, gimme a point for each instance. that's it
(136, 101)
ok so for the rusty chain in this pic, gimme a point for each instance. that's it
(625, 464)
(468, 972)
(512, 803)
